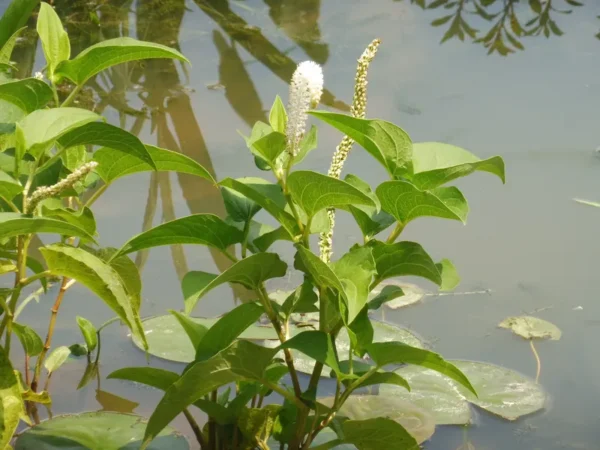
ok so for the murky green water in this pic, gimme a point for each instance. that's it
(528, 242)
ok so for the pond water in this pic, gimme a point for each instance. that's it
(527, 244)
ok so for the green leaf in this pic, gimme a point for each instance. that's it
(256, 424)
(11, 403)
(315, 344)
(88, 331)
(98, 277)
(167, 339)
(355, 270)
(73, 157)
(162, 379)
(278, 116)
(320, 272)
(386, 142)
(307, 145)
(387, 294)
(32, 264)
(56, 358)
(83, 218)
(193, 329)
(242, 360)
(13, 224)
(55, 40)
(108, 53)
(449, 274)
(202, 229)
(30, 340)
(268, 238)
(28, 94)
(313, 192)
(227, 329)
(269, 146)
(239, 207)
(529, 327)
(251, 272)
(114, 163)
(11, 26)
(42, 127)
(100, 133)
(384, 353)
(435, 164)
(370, 219)
(406, 202)
(268, 196)
(301, 300)
(377, 434)
(110, 430)
(403, 259)
(9, 187)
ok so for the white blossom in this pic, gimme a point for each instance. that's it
(39, 75)
(306, 89)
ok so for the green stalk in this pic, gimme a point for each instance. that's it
(245, 238)
(71, 96)
(395, 233)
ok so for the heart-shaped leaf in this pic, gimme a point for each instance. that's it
(30, 340)
(406, 202)
(108, 53)
(529, 327)
(313, 192)
(386, 142)
(435, 164)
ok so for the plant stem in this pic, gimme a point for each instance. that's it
(38, 366)
(195, 428)
(99, 347)
(27, 370)
(96, 195)
(395, 233)
(245, 238)
(32, 278)
(537, 359)
(212, 426)
(11, 204)
(71, 96)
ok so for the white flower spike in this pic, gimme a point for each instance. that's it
(306, 89)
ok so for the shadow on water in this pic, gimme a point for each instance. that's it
(154, 99)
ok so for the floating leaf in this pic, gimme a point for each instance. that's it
(114, 163)
(435, 164)
(116, 431)
(28, 94)
(386, 142)
(408, 294)
(313, 192)
(500, 391)
(406, 202)
(108, 53)
(531, 328)
(168, 340)
(417, 421)
(202, 229)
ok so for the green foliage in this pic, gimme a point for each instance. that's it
(88, 332)
(30, 340)
(55, 41)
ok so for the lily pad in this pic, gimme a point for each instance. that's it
(530, 327)
(382, 332)
(412, 294)
(417, 421)
(501, 391)
(96, 431)
(168, 340)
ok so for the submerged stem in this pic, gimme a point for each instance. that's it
(195, 428)
(538, 361)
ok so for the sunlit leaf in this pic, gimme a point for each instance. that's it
(83, 218)
(9, 187)
(30, 340)
(403, 259)
(377, 434)
(315, 344)
(202, 229)
(531, 328)
(88, 331)
(110, 52)
(10, 400)
(56, 358)
(13, 224)
(449, 274)
(55, 40)
(278, 115)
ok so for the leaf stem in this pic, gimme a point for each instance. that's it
(71, 96)
(40, 360)
(11, 205)
(538, 361)
(195, 428)
(37, 276)
(96, 195)
(245, 238)
(395, 233)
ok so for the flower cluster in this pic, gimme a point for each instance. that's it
(358, 109)
(44, 192)
(306, 89)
